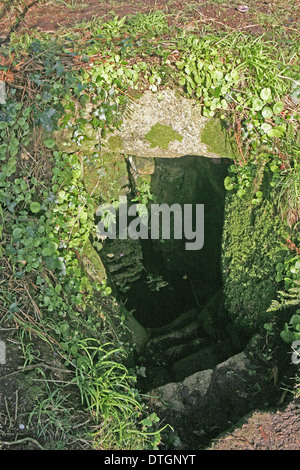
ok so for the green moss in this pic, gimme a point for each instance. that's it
(161, 135)
(251, 248)
(111, 168)
(217, 139)
(139, 334)
(115, 143)
(92, 263)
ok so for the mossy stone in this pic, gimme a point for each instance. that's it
(138, 333)
(114, 143)
(92, 263)
(161, 135)
(106, 177)
(215, 136)
(251, 248)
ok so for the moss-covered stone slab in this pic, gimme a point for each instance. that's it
(105, 173)
(92, 263)
(106, 177)
(215, 136)
(168, 125)
(138, 333)
(142, 166)
(161, 136)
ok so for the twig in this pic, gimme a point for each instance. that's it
(34, 366)
(288, 78)
(33, 303)
(8, 413)
(17, 402)
(20, 441)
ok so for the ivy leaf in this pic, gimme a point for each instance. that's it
(278, 107)
(228, 183)
(49, 143)
(48, 251)
(267, 112)
(46, 118)
(266, 94)
(35, 207)
(257, 104)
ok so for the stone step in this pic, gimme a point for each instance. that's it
(210, 401)
(123, 260)
(183, 320)
(175, 353)
(204, 358)
(175, 337)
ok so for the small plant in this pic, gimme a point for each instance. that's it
(151, 24)
(52, 415)
(103, 381)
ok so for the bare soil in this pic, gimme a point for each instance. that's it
(53, 14)
(279, 430)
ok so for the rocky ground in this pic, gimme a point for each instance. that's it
(279, 430)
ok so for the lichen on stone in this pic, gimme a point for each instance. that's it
(161, 135)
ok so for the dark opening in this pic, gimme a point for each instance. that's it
(173, 279)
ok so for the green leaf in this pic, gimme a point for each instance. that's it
(217, 75)
(48, 251)
(21, 121)
(279, 267)
(241, 192)
(49, 143)
(35, 207)
(266, 94)
(267, 112)
(64, 327)
(276, 131)
(278, 107)
(228, 183)
(17, 233)
(287, 336)
(257, 104)
(266, 127)
(46, 119)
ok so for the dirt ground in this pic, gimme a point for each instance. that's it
(277, 430)
(53, 14)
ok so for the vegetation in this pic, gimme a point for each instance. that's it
(81, 80)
